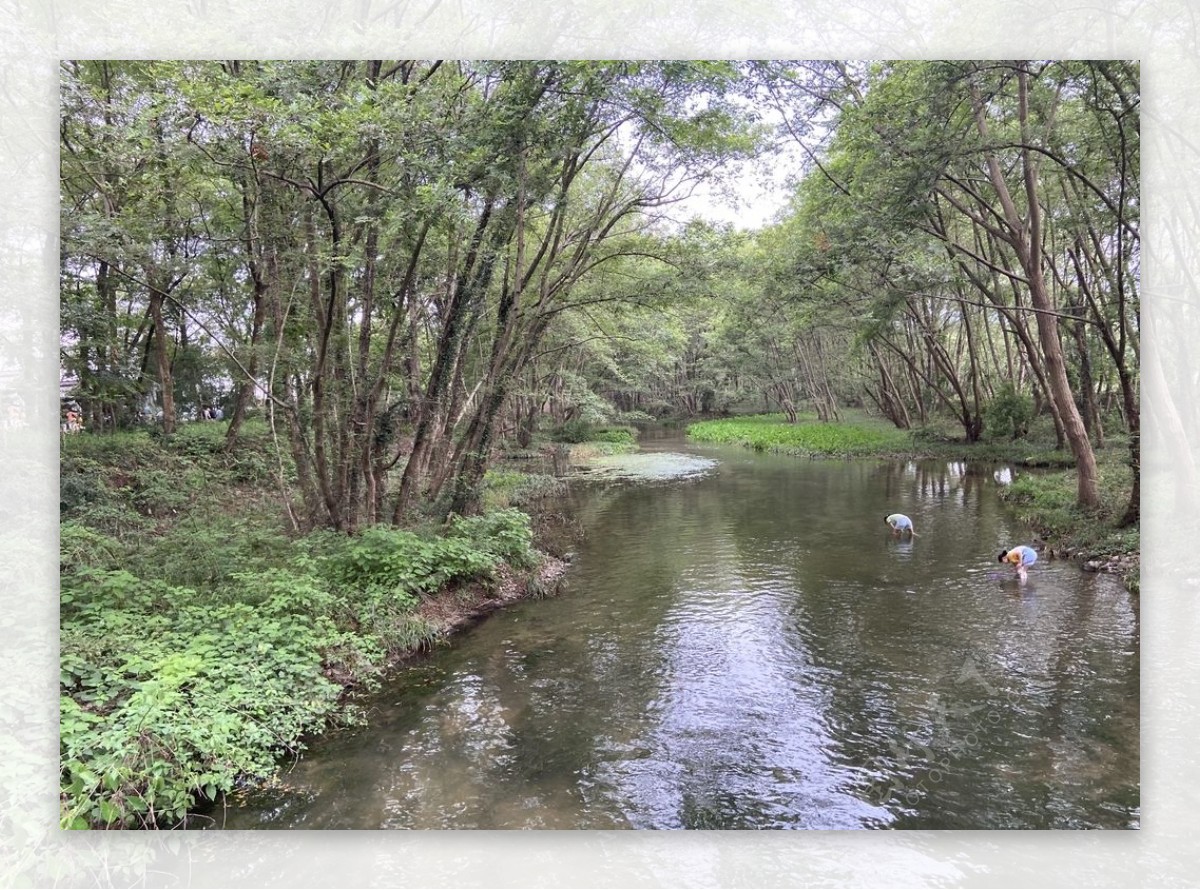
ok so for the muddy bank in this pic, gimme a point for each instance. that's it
(456, 610)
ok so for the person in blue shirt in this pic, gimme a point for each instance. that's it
(900, 524)
(1020, 558)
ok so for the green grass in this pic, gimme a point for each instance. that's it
(513, 488)
(861, 435)
(1046, 502)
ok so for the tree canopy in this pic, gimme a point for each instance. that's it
(407, 265)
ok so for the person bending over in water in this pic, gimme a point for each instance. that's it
(1020, 557)
(900, 524)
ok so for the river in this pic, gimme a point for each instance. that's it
(748, 647)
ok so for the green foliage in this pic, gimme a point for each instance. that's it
(82, 547)
(401, 566)
(158, 493)
(1009, 413)
(250, 460)
(573, 431)
(577, 432)
(197, 440)
(80, 486)
(123, 450)
(171, 696)
(620, 435)
(508, 488)
(772, 433)
(504, 535)
(205, 549)
(634, 416)
(115, 482)
(193, 656)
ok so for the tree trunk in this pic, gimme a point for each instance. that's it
(1026, 238)
(166, 384)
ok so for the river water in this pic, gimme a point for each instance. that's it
(746, 646)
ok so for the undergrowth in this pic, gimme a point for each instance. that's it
(199, 643)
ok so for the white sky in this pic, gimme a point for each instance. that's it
(753, 204)
(758, 190)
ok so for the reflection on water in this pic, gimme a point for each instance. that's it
(753, 649)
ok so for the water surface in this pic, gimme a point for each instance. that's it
(748, 647)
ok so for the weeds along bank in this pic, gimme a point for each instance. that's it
(1045, 500)
(199, 642)
(1046, 503)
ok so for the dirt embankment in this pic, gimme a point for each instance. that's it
(455, 610)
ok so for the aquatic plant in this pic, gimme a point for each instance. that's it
(772, 432)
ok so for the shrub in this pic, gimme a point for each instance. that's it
(198, 440)
(170, 698)
(403, 566)
(126, 450)
(158, 493)
(80, 547)
(204, 551)
(194, 651)
(635, 416)
(1009, 413)
(504, 535)
(80, 486)
(573, 432)
(933, 433)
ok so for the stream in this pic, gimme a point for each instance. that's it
(740, 643)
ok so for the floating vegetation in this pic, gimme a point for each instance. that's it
(644, 466)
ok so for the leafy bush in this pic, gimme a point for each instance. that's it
(573, 432)
(194, 651)
(81, 547)
(635, 416)
(124, 450)
(1046, 500)
(254, 465)
(577, 431)
(1009, 413)
(159, 493)
(934, 433)
(103, 476)
(172, 699)
(206, 550)
(198, 440)
(114, 518)
(506, 488)
(81, 485)
(403, 566)
(503, 535)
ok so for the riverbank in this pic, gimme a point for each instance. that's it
(864, 436)
(200, 642)
(1044, 501)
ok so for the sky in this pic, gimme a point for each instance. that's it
(748, 195)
